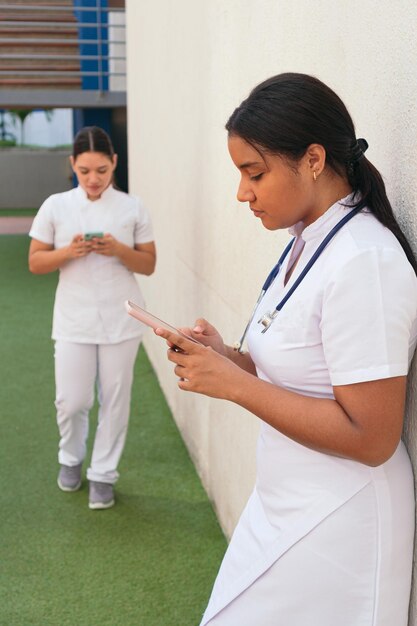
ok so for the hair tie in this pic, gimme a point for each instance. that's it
(358, 150)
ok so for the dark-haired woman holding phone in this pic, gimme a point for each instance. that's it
(97, 237)
(326, 538)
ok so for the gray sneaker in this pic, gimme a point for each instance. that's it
(101, 495)
(69, 477)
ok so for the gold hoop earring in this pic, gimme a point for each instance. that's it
(314, 175)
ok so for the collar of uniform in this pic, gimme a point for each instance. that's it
(83, 195)
(325, 222)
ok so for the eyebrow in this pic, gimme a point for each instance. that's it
(250, 164)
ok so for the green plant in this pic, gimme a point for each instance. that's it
(6, 143)
(22, 115)
(5, 135)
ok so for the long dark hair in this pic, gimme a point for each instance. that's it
(288, 112)
(92, 139)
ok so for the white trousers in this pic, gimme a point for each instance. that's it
(79, 369)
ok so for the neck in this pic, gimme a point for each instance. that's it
(328, 193)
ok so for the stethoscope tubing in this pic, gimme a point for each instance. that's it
(277, 268)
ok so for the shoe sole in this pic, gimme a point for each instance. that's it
(95, 506)
(64, 488)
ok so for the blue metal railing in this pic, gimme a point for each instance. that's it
(93, 26)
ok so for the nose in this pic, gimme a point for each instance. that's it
(244, 192)
(93, 177)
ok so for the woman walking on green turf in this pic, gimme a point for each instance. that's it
(98, 238)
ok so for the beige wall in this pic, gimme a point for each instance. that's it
(190, 62)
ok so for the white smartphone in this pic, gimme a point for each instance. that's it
(151, 320)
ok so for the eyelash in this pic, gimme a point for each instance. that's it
(257, 177)
(104, 172)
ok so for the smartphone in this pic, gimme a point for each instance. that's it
(151, 320)
(89, 236)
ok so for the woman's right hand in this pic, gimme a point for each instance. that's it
(45, 258)
(206, 334)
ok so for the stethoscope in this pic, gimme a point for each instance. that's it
(267, 319)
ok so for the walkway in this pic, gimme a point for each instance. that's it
(15, 225)
(149, 561)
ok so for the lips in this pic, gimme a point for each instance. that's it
(255, 212)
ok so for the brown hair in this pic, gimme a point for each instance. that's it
(92, 139)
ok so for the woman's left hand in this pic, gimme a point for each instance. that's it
(106, 245)
(140, 259)
(200, 368)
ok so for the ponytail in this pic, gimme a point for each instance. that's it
(365, 179)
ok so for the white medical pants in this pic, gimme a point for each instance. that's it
(79, 367)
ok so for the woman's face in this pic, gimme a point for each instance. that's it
(279, 194)
(94, 171)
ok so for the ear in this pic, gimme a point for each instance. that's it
(315, 158)
(114, 160)
(72, 162)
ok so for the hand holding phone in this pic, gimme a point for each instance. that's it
(92, 235)
(154, 322)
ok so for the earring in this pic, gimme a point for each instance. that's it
(314, 175)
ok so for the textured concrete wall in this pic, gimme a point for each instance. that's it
(190, 62)
(27, 177)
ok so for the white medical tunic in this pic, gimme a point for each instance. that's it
(327, 541)
(89, 301)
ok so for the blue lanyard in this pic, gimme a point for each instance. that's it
(267, 319)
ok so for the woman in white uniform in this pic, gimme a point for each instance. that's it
(98, 238)
(327, 535)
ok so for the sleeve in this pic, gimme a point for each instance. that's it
(368, 317)
(143, 225)
(43, 228)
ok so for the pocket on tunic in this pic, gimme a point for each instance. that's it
(292, 326)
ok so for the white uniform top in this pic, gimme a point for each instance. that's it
(89, 301)
(352, 319)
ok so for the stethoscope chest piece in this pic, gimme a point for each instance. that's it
(267, 319)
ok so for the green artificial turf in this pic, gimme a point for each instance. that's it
(149, 561)
(17, 212)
